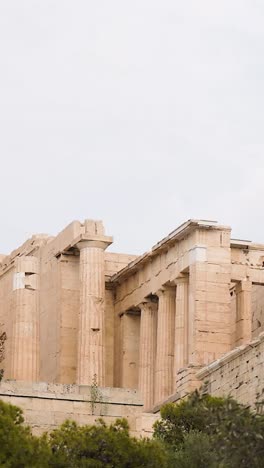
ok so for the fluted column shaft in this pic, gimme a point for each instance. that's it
(147, 351)
(90, 357)
(25, 321)
(181, 326)
(130, 335)
(165, 344)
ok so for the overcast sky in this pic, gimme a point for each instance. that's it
(142, 113)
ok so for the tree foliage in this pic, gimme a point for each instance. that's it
(206, 431)
(72, 446)
(101, 446)
(18, 448)
(199, 432)
(195, 452)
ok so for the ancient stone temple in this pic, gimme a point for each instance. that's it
(73, 313)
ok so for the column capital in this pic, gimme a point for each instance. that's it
(148, 304)
(166, 291)
(244, 285)
(184, 279)
(101, 242)
(130, 312)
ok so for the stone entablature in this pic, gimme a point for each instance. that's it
(74, 313)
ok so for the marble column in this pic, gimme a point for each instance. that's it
(244, 312)
(130, 332)
(25, 320)
(181, 326)
(147, 351)
(91, 346)
(165, 344)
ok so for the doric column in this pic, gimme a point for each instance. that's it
(147, 351)
(165, 344)
(181, 326)
(25, 323)
(130, 331)
(91, 346)
(244, 312)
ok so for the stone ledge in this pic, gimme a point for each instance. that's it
(50, 391)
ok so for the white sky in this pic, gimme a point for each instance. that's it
(142, 113)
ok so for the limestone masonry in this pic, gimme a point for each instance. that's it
(141, 330)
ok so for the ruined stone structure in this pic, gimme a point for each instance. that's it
(74, 313)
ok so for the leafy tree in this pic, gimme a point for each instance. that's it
(103, 446)
(199, 432)
(206, 431)
(239, 437)
(199, 412)
(195, 452)
(18, 448)
(72, 446)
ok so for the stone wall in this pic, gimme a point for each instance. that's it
(46, 406)
(240, 373)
